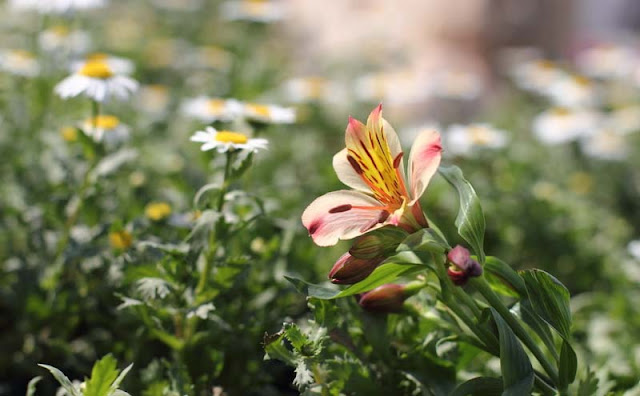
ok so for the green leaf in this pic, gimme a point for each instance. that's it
(539, 326)
(275, 349)
(116, 384)
(479, 386)
(31, 387)
(517, 372)
(568, 365)
(205, 189)
(103, 374)
(504, 279)
(425, 240)
(63, 380)
(549, 299)
(470, 219)
(386, 273)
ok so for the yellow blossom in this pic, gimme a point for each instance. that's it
(120, 240)
(157, 211)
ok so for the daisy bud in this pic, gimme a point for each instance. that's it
(348, 269)
(387, 298)
(462, 266)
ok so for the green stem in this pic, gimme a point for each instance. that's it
(485, 290)
(204, 277)
(58, 262)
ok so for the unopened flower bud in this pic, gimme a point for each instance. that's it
(462, 266)
(387, 298)
(378, 243)
(348, 269)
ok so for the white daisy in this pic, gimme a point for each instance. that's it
(536, 75)
(207, 57)
(270, 114)
(209, 110)
(607, 61)
(395, 88)
(464, 139)
(634, 249)
(450, 84)
(624, 120)
(56, 6)
(224, 141)
(605, 144)
(105, 128)
(61, 38)
(117, 64)
(97, 81)
(253, 10)
(19, 62)
(409, 135)
(314, 88)
(153, 99)
(572, 91)
(560, 125)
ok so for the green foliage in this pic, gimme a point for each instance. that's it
(470, 219)
(104, 381)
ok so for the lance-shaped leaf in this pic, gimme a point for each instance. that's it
(470, 219)
(550, 301)
(424, 240)
(479, 386)
(504, 279)
(386, 273)
(517, 372)
(63, 380)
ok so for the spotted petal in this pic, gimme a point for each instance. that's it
(371, 155)
(347, 173)
(340, 215)
(423, 162)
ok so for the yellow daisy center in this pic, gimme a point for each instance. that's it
(216, 106)
(96, 69)
(60, 30)
(560, 111)
(546, 64)
(104, 121)
(97, 56)
(582, 81)
(231, 137)
(255, 7)
(120, 240)
(259, 110)
(157, 211)
(316, 85)
(69, 134)
(479, 136)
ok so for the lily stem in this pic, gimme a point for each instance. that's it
(485, 290)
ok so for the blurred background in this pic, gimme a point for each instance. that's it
(538, 102)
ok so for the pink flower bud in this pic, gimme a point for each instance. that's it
(384, 299)
(348, 269)
(462, 266)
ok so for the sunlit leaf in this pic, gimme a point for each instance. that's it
(470, 219)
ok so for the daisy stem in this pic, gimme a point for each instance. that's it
(58, 264)
(204, 277)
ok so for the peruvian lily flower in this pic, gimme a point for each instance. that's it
(371, 164)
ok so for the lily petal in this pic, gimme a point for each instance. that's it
(347, 173)
(342, 214)
(423, 162)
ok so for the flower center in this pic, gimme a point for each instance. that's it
(231, 137)
(480, 136)
(560, 111)
(96, 69)
(216, 106)
(104, 121)
(582, 81)
(546, 64)
(255, 7)
(260, 110)
(97, 56)
(60, 30)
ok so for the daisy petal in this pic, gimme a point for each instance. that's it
(341, 214)
(423, 162)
